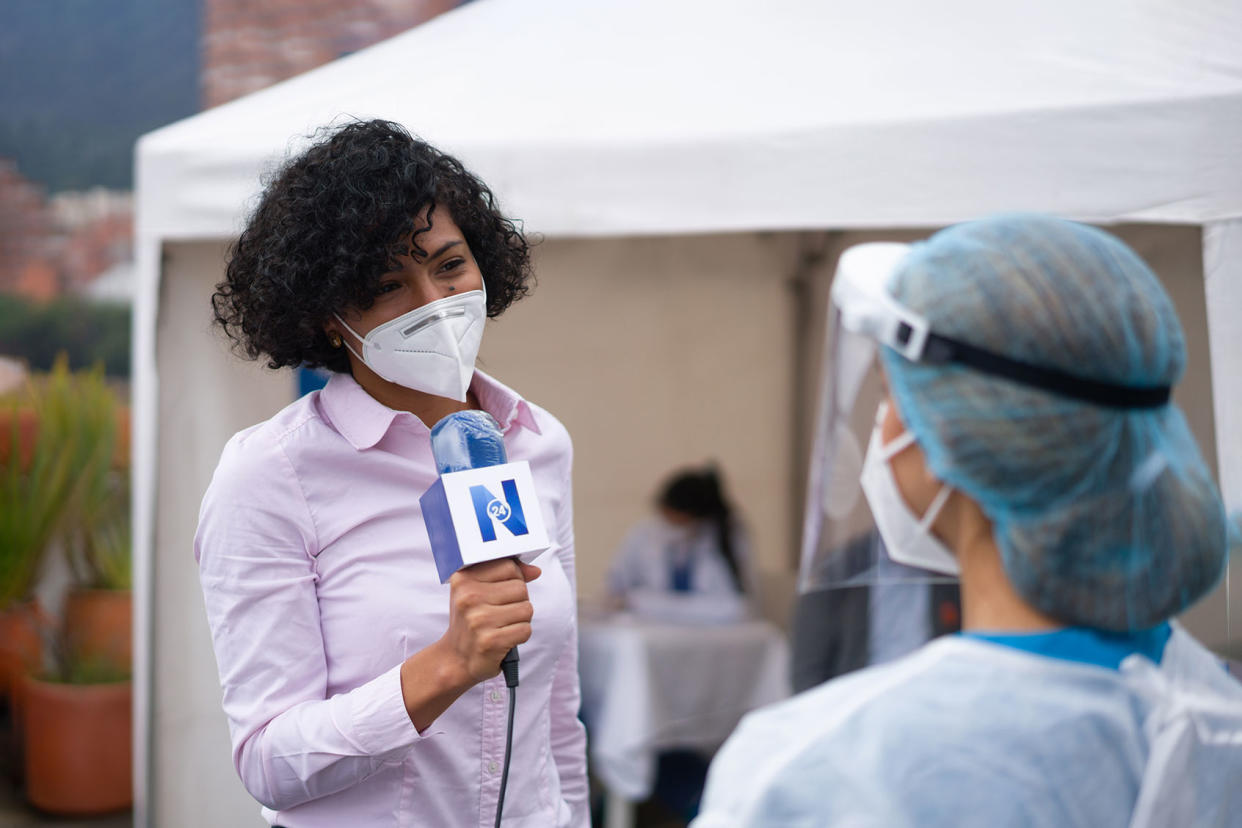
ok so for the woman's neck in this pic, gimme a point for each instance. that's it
(989, 600)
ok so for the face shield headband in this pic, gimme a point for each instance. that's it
(861, 295)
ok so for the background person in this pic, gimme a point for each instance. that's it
(688, 564)
(691, 561)
(1029, 444)
(359, 690)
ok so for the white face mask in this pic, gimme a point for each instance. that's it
(909, 540)
(430, 349)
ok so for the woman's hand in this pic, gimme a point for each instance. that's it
(489, 613)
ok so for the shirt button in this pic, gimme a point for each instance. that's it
(495, 695)
(491, 767)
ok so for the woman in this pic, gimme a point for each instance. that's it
(359, 690)
(1029, 444)
(691, 562)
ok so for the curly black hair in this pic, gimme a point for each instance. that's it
(330, 224)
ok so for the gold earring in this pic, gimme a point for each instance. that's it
(335, 339)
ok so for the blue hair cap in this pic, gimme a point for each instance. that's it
(1104, 517)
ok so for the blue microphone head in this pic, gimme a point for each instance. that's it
(467, 440)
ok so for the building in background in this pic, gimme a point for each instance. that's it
(80, 85)
(27, 237)
(247, 46)
(58, 245)
(97, 228)
(79, 241)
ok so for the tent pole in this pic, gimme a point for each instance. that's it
(812, 250)
(143, 447)
(1222, 274)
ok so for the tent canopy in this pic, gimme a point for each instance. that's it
(623, 117)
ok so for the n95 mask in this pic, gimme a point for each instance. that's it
(908, 539)
(430, 349)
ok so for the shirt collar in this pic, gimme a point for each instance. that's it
(503, 403)
(363, 420)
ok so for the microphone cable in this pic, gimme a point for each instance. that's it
(510, 667)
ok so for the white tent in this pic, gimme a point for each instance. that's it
(626, 132)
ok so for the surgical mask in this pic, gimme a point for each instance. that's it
(909, 539)
(430, 349)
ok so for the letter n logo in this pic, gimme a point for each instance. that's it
(490, 510)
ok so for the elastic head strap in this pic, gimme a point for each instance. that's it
(899, 444)
(935, 507)
(942, 349)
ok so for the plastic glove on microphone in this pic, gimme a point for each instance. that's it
(482, 507)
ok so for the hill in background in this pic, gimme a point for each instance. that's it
(81, 80)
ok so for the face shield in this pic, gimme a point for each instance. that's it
(843, 545)
(862, 600)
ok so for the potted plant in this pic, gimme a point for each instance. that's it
(77, 719)
(76, 714)
(34, 487)
(98, 614)
(94, 530)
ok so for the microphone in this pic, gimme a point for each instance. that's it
(482, 507)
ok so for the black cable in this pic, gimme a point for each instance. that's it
(510, 667)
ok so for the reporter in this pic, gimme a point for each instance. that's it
(359, 690)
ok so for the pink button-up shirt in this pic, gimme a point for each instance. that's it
(319, 582)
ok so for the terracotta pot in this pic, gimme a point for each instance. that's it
(27, 433)
(21, 645)
(121, 460)
(78, 746)
(99, 627)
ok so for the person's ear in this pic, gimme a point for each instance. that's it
(333, 332)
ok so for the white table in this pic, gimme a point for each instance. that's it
(648, 687)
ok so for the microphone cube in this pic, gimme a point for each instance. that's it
(483, 514)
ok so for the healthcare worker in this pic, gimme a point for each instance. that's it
(1021, 438)
(690, 562)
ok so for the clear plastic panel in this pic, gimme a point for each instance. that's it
(841, 545)
(856, 606)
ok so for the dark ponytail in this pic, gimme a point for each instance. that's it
(699, 493)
